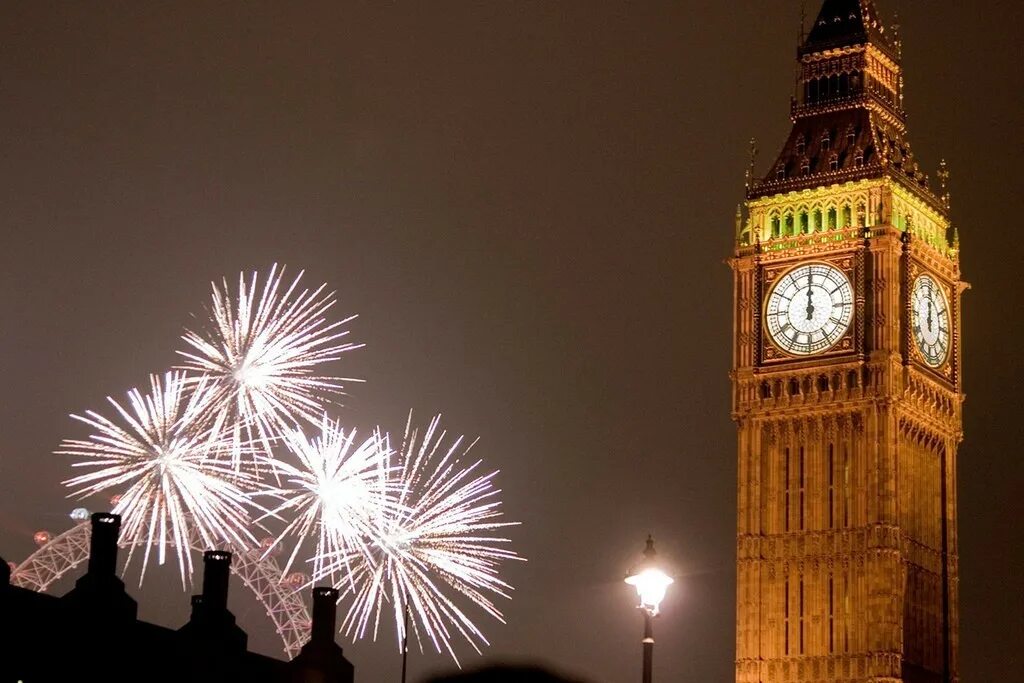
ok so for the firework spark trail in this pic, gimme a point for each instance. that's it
(439, 535)
(263, 352)
(165, 453)
(333, 495)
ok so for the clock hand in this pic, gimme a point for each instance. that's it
(810, 300)
(930, 314)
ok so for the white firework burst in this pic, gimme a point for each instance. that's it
(164, 460)
(263, 352)
(334, 495)
(438, 534)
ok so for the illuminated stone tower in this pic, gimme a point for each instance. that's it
(846, 383)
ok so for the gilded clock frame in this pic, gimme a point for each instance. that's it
(846, 262)
(946, 371)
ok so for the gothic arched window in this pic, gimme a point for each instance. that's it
(812, 91)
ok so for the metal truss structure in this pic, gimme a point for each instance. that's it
(262, 575)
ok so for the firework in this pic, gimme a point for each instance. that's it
(162, 457)
(263, 352)
(438, 534)
(333, 495)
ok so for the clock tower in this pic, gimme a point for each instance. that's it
(847, 383)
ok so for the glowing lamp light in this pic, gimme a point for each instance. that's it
(651, 585)
(41, 538)
(650, 580)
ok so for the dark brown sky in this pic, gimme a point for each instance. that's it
(529, 204)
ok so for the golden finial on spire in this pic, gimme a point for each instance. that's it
(897, 38)
(800, 37)
(943, 175)
(803, 22)
(750, 167)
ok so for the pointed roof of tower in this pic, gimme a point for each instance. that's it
(841, 23)
(848, 122)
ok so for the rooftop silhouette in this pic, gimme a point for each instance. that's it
(93, 633)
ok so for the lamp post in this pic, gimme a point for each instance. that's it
(651, 582)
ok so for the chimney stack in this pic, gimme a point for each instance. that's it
(103, 549)
(216, 571)
(212, 628)
(321, 659)
(325, 607)
(98, 595)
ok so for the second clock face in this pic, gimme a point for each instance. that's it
(809, 309)
(930, 320)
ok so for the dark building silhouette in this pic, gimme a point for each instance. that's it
(504, 674)
(93, 633)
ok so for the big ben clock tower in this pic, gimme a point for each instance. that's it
(847, 383)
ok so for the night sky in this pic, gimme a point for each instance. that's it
(529, 205)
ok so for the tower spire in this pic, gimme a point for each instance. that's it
(843, 23)
(848, 117)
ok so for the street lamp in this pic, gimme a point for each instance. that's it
(651, 582)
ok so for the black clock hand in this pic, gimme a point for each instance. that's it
(810, 301)
(930, 315)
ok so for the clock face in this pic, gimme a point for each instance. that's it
(809, 309)
(929, 318)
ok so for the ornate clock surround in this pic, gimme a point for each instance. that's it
(850, 262)
(920, 261)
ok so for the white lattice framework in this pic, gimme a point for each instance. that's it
(262, 575)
